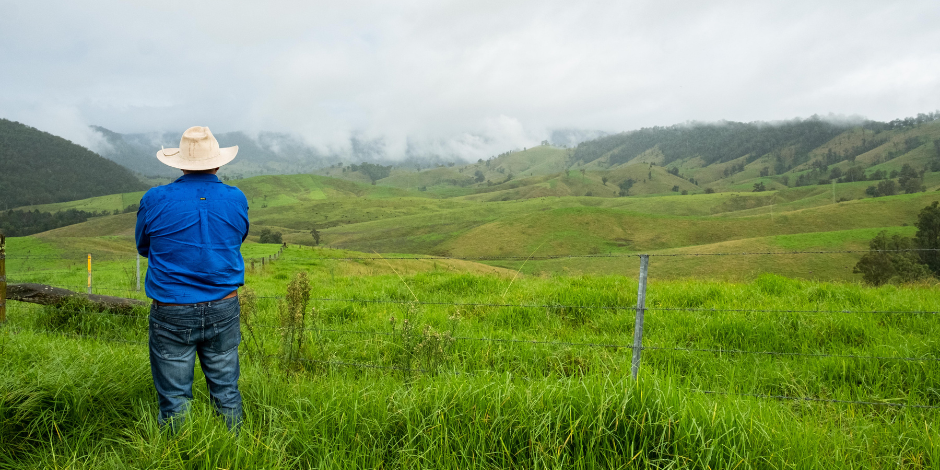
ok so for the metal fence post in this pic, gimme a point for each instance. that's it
(640, 309)
(138, 272)
(3, 278)
(89, 273)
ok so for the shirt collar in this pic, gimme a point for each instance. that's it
(202, 177)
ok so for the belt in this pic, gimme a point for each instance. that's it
(164, 304)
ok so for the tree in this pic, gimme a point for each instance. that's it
(675, 188)
(478, 176)
(765, 171)
(373, 171)
(884, 188)
(604, 180)
(267, 236)
(928, 236)
(625, 186)
(853, 174)
(909, 180)
(709, 190)
(758, 187)
(316, 236)
(911, 185)
(884, 263)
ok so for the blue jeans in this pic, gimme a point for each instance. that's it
(177, 335)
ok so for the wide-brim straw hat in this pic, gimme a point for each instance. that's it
(198, 151)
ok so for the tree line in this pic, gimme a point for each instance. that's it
(22, 223)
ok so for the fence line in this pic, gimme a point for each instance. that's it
(580, 344)
(599, 307)
(363, 365)
(278, 254)
(556, 306)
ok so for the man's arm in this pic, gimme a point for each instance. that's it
(140, 232)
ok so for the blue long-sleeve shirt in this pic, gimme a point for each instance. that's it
(191, 232)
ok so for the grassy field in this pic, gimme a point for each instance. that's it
(495, 370)
(385, 219)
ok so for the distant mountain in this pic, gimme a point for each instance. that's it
(693, 157)
(267, 153)
(39, 168)
(713, 143)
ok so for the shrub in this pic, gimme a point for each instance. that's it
(928, 236)
(884, 263)
(267, 236)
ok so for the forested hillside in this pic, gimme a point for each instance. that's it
(39, 168)
(692, 158)
(726, 141)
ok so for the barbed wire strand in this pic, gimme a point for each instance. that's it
(813, 399)
(509, 258)
(375, 366)
(602, 307)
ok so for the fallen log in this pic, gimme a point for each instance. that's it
(48, 295)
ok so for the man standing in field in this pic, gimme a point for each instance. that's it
(191, 232)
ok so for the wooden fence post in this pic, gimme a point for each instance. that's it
(89, 273)
(3, 278)
(640, 310)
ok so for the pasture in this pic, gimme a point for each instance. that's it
(495, 369)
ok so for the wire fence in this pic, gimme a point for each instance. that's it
(636, 347)
(278, 255)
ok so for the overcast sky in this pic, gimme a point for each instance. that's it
(471, 78)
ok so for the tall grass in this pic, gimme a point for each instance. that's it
(531, 373)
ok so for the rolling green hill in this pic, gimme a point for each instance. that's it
(374, 218)
(38, 168)
(690, 158)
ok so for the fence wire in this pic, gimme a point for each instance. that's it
(602, 307)
(366, 365)
(589, 256)
(131, 258)
(616, 346)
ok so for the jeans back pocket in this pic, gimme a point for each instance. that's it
(171, 342)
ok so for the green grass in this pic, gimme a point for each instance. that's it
(499, 404)
(381, 219)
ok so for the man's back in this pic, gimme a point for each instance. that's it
(191, 232)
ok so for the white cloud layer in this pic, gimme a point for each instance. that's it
(469, 79)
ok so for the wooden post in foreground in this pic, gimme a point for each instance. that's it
(3, 278)
(640, 309)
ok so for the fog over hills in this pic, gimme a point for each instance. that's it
(700, 153)
(266, 153)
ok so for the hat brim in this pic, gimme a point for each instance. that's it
(171, 157)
